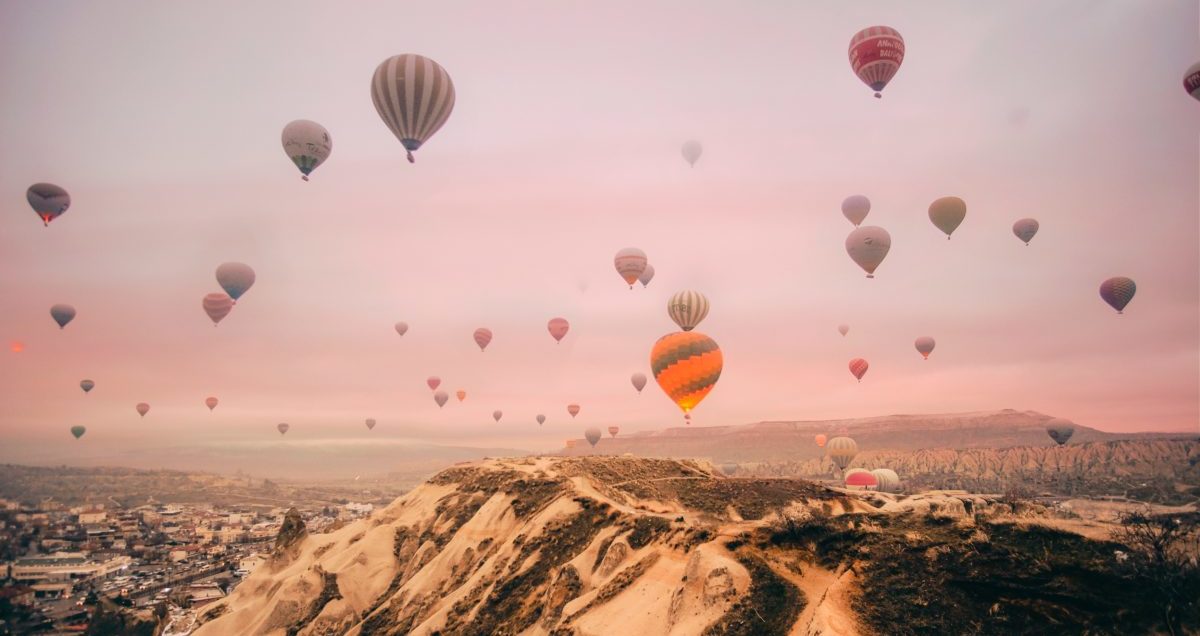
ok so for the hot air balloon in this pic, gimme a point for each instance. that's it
(433, 381)
(820, 440)
(217, 305)
(924, 346)
(483, 337)
(573, 409)
(142, 408)
(307, 144)
(855, 208)
(858, 368)
(541, 419)
(1117, 292)
(630, 263)
(647, 275)
(62, 314)
(48, 201)
(639, 381)
(1025, 229)
(211, 403)
(402, 328)
(86, 385)
(691, 152)
(858, 478)
(875, 55)
(496, 415)
(78, 431)
(414, 96)
(235, 278)
(461, 395)
(592, 435)
(282, 427)
(441, 397)
(1191, 80)
(1060, 430)
(687, 308)
(613, 430)
(887, 480)
(370, 423)
(729, 468)
(868, 246)
(947, 213)
(16, 346)
(686, 364)
(843, 329)
(558, 328)
(841, 450)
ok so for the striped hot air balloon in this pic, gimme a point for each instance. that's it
(687, 365)
(888, 480)
(48, 201)
(876, 53)
(1117, 292)
(631, 264)
(687, 308)
(482, 337)
(858, 368)
(217, 306)
(1191, 80)
(841, 450)
(414, 96)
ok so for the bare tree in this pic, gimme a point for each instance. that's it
(1168, 546)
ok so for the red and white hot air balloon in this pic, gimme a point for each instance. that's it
(858, 368)
(482, 337)
(573, 409)
(876, 53)
(558, 328)
(217, 306)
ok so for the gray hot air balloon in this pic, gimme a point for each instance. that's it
(947, 213)
(78, 431)
(235, 278)
(691, 152)
(855, 208)
(647, 275)
(62, 314)
(592, 435)
(639, 381)
(687, 308)
(868, 246)
(1025, 229)
(1060, 430)
(282, 427)
(441, 397)
(307, 144)
(888, 480)
(86, 385)
(841, 450)
(48, 201)
(924, 346)
(414, 96)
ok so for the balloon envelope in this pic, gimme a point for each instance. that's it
(947, 213)
(307, 144)
(858, 368)
(414, 97)
(647, 275)
(541, 419)
(282, 427)
(843, 329)
(888, 480)
(613, 430)
(402, 328)
(868, 246)
(691, 152)
(687, 308)
(924, 346)
(210, 402)
(573, 409)
(1025, 229)
(433, 381)
(461, 395)
(639, 381)
(876, 53)
(687, 365)
(630, 263)
(496, 415)
(820, 440)
(78, 431)
(558, 328)
(1117, 292)
(142, 408)
(1060, 430)
(86, 385)
(441, 397)
(1191, 80)
(235, 278)
(861, 479)
(62, 314)
(370, 423)
(855, 208)
(48, 201)
(217, 305)
(841, 450)
(592, 435)
(482, 337)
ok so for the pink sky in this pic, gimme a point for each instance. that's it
(163, 121)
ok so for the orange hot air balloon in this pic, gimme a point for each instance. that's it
(686, 364)
(820, 440)
(573, 409)
(461, 394)
(613, 430)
